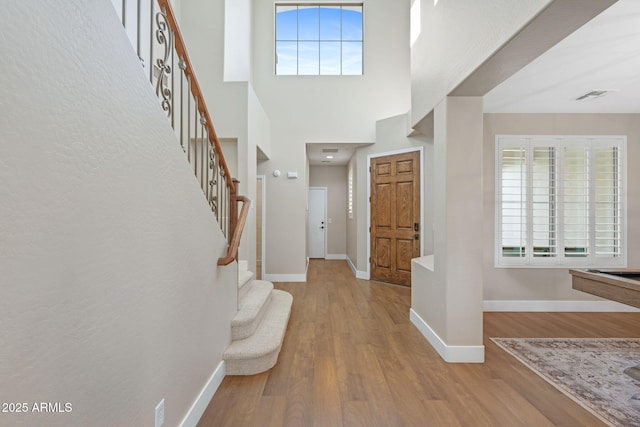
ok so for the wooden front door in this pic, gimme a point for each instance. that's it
(395, 216)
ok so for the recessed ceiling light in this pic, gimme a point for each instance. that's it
(329, 157)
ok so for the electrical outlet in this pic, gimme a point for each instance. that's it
(160, 414)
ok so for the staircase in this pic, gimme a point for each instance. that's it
(258, 329)
(263, 312)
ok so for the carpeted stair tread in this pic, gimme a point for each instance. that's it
(244, 277)
(259, 352)
(252, 305)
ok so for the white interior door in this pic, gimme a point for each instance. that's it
(317, 222)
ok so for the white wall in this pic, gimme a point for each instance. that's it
(546, 283)
(456, 38)
(335, 179)
(323, 109)
(110, 298)
(450, 299)
(237, 40)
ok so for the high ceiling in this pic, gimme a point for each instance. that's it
(603, 55)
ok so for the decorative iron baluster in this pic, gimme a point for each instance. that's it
(183, 66)
(188, 118)
(203, 158)
(196, 110)
(213, 184)
(211, 169)
(151, 3)
(164, 36)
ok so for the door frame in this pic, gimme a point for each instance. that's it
(326, 225)
(368, 199)
(264, 221)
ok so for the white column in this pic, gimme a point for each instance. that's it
(447, 304)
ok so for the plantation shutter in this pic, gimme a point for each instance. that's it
(607, 185)
(576, 200)
(513, 198)
(560, 201)
(544, 198)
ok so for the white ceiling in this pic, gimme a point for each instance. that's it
(318, 157)
(602, 55)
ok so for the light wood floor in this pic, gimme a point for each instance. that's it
(351, 357)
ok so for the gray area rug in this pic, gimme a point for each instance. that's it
(589, 370)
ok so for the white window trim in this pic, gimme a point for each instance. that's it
(560, 262)
(316, 3)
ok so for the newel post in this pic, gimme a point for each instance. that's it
(233, 209)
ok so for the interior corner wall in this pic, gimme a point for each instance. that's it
(441, 58)
(285, 221)
(324, 109)
(202, 24)
(449, 296)
(110, 297)
(334, 178)
(553, 283)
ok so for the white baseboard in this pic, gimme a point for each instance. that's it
(351, 266)
(202, 401)
(359, 274)
(450, 353)
(285, 277)
(554, 305)
(362, 275)
(335, 256)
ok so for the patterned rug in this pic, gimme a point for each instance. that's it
(589, 370)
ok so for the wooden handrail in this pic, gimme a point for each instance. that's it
(232, 250)
(195, 89)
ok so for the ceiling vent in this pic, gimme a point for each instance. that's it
(329, 150)
(326, 161)
(593, 94)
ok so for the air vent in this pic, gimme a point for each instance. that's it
(329, 150)
(326, 161)
(592, 94)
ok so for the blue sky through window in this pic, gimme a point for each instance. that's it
(315, 39)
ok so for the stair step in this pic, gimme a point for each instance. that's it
(252, 304)
(244, 276)
(259, 352)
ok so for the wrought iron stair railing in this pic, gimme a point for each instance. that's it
(182, 99)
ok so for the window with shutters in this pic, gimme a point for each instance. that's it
(560, 201)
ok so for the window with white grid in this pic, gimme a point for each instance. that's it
(319, 39)
(560, 201)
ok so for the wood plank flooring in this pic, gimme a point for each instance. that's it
(351, 357)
